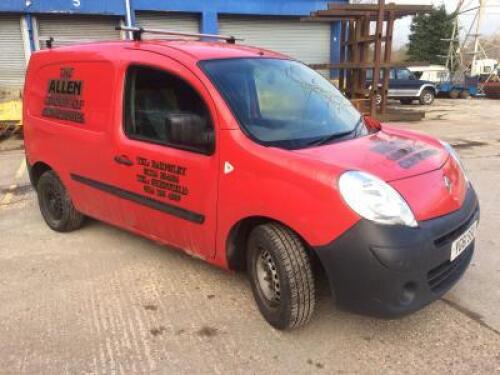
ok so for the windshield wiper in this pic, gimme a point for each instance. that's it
(332, 137)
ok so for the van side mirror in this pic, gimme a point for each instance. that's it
(372, 123)
(189, 131)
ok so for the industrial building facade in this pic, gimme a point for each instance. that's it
(276, 24)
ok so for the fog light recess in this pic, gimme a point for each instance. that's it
(408, 293)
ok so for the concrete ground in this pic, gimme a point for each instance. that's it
(103, 301)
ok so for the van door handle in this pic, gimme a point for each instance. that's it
(123, 159)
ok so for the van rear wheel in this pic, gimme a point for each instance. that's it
(281, 276)
(55, 204)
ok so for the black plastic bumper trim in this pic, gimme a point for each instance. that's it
(392, 270)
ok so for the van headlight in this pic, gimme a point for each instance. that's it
(374, 199)
(455, 156)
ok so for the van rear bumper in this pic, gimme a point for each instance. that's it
(392, 270)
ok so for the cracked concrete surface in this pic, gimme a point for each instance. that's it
(103, 301)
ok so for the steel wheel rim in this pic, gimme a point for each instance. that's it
(54, 202)
(427, 98)
(267, 277)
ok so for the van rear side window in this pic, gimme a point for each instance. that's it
(155, 101)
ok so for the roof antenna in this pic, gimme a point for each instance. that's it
(49, 42)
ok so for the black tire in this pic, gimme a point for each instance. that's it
(427, 97)
(464, 94)
(55, 204)
(285, 295)
(406, 101)
(454, 93)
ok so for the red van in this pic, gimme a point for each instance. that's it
(251, 161)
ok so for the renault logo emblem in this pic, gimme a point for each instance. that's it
(447, 183)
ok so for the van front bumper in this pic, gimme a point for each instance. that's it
(392, 270)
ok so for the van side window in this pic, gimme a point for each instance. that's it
(162, 108)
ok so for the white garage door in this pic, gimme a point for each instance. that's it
(305, 41)
(66, 29)
(12, 59)
(188, 23)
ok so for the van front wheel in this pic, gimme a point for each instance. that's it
(280, 273)
(55, 204)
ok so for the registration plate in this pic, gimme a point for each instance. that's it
(461, 243)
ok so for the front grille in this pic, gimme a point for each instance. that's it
(443, 276)
(450, 236)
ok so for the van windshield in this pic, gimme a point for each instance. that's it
(284, 103)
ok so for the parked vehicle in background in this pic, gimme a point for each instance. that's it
(405, 86)
(433, 73)
(492, 88)
(445, 85)
(483, 67)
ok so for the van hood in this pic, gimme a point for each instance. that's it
(390, 154)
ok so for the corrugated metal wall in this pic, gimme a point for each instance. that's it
(308, 42)
(76, 27)
(305, 41)
(12, 58)
(182, 22)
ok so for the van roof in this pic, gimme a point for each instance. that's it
(198, 50)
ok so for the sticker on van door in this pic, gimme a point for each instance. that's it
(64, 98)
(162, 179)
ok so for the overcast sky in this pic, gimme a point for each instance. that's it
(490, 24)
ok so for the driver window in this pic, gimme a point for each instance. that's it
(153, 97)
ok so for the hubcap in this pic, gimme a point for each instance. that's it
(267, 277)
(427, 98)
(54, 201)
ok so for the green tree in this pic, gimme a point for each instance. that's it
(427, 34)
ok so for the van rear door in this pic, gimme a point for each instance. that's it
(68, 121)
